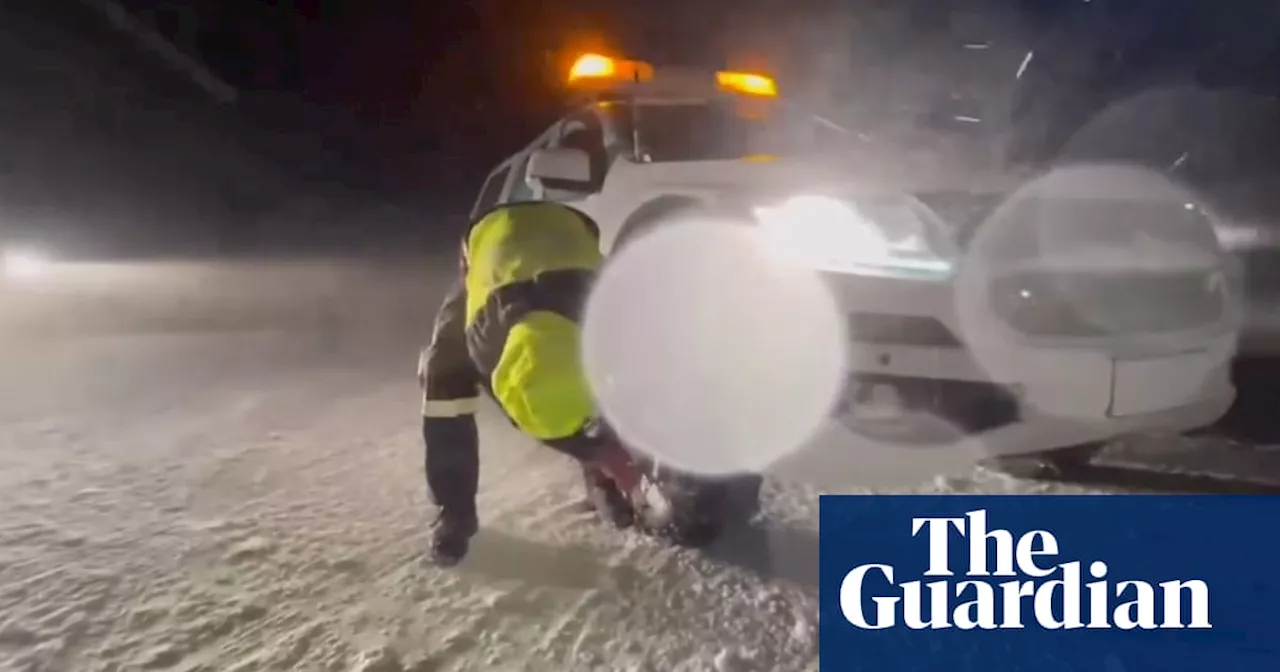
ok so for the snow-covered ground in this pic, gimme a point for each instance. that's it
(251, 498)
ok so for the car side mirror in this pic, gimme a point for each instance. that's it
(561, 168)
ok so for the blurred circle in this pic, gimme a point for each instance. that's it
(707, 353)
(1081, 266)
(850, 456)
(1190, 132)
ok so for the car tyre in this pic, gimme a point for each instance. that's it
(1051, 464)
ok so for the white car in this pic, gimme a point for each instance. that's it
(648, 147)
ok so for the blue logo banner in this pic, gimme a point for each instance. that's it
(1108, 583)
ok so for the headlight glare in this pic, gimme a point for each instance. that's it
(842, 235)
(23, 263)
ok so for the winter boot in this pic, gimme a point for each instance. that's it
(451, 536)
(605, 499)
(744, 498)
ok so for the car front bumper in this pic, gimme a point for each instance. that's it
(1006, 397)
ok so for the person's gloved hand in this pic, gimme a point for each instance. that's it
(651, 508)
(610, 459)
(618, 466)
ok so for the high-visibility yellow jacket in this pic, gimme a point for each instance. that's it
(512, 325)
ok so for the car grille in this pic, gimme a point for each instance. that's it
(910, 330)
(972, 407)
(1097, 304)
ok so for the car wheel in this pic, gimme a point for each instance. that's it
(1056, 463)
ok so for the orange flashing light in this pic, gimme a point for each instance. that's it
(747, 83)
(597, 67)
(593, 66)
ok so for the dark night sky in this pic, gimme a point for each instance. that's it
(438, 90)
(459, 83)
(447, 86)
(363, 103)
(382, 58)
(429, 65)
(417, 63)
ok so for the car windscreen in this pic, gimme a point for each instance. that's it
(715, 132)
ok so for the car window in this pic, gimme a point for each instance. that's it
(726, 131)
(588, 138)
(585, 132)
(618, 116)
(521, 191)
(491, 193)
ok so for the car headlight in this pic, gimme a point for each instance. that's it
(835, 234)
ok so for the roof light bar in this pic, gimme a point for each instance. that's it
(747, 83)
(598, 68)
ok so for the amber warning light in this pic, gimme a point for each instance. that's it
(594, 68)
(747, 83)
(600, 70)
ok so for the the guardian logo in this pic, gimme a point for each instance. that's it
(1039, 586)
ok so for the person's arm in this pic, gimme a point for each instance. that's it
(450, 400)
